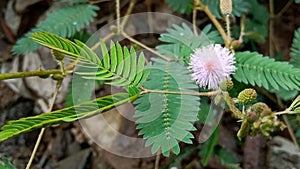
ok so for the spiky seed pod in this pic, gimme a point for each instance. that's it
(226, 7)
(252, 116)
(247, 96)
(261, 109)
(226, 85)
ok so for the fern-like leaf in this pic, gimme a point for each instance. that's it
(166, 119)
(183, 6)
(295, 49)
(119, 66)
(69, 114)
(254, 69)
(182, 41)
(63, 22)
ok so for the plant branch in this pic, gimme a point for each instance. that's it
(194, 20)
(206, 10)
(36, 146)
(40, 73)
(146, 47)
(128, 12)
(118, 15)
(291, 132)
(284, 9)
(271, 28)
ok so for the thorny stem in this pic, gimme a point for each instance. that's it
(211, 93)
(227, 18)
(146, 47)
(206, 10)
(29, 74)
(36, 146)
(236, 112)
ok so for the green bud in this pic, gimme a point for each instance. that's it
(247, 96)
(57, 77)
(226, 85)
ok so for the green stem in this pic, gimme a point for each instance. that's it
(29, 74)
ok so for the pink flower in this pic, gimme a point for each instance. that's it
(211, 65)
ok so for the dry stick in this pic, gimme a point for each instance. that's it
(146, 47)
(271, 53)
(36, 146)
(118, 14)
(194, 20)
(103, 39)
(157, 159)
(128, 12)
(284, 9)
(242, 33)
(290, 131)
(271, 28)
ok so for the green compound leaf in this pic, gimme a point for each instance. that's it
(166, 119)
(181, 41)
(254, 69)
(64, 22)
(183, 6)
(119, 66)
(295, 49)
(69, 114)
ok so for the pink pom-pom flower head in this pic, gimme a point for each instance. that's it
(211, 65)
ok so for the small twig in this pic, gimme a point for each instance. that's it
(146, 47)
(128, 12)
(36, 146)
(211, 93)
(271, 28)
(284, 9)
(210, 15)
(291, 132)
(103, 39)
(118, 15)
(157, 159)
(195, 20)
(242, 33)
